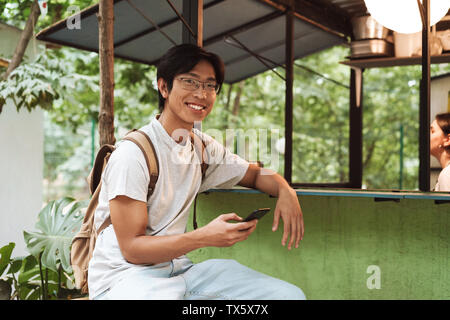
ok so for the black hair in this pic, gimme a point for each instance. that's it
(443, 120)
(183, 58)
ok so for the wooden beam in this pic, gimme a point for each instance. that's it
(383, 62)
(314, 16)
(106, 57)
(243, 27)
(327, 16)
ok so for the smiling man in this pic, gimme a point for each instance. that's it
(141, 255)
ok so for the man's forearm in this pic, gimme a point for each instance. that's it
(158, 249)
(272, 184)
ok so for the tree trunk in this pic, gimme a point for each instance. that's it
(24, 39)
(235, 112)
(237, 99)
(106, 56)
(227, 105)
(370, 150)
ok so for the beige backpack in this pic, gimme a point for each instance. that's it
(84, 241)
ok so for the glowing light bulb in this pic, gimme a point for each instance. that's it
(403, 15)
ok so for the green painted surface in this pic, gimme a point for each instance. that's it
(408, 240)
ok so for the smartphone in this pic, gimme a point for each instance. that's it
(257, 214)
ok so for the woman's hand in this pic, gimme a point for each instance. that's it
(288, 208)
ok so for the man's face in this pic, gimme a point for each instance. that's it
(186, 103)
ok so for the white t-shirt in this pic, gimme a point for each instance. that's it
(179, 180)
(443, 183)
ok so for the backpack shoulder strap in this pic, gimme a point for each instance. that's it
(204, 166)
(196, 140)
(100, 161)
(142, 140)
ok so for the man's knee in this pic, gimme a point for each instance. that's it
(286, 291)
(297, 294)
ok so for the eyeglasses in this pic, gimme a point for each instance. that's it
(193, 85)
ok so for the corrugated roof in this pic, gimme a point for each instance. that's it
(256, 26)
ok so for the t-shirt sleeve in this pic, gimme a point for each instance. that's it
(444, 180)
(126, 173)
(225, 169)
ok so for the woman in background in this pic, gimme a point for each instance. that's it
(440, 149)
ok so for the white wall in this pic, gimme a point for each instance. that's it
(440, 88)
(21, 159)
(21, 173)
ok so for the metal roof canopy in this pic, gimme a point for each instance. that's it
(256, 24)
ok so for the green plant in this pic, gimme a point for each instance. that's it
(20, 273)
(58, 221)
(5, 260)
(41, 82)
(46, 273)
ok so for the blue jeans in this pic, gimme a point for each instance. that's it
(215, 279)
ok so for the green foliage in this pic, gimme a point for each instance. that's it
(135, 94)
(30, 280)
(79, 99)
(135, 98)
(46, 273)
(28, 86)
(5, 256)
(58, 222)
(26, 278)
(43, 81)
(321, 119)
(67, 160)
(19, 273)
(320, 137)
(69, 142)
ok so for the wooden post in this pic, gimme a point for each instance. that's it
(356, 124)
(106, 57)
(424, 110)
(190, 14)
(193, 15)
(200, 24)
(289, 99)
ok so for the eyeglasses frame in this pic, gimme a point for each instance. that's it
(203, 84)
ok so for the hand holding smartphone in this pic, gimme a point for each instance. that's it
(257, 214)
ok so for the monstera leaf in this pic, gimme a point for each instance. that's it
(58, 222)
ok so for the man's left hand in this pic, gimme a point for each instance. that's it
(288, 208)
